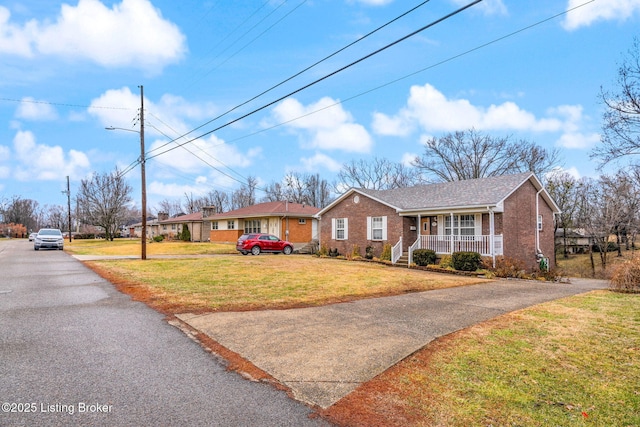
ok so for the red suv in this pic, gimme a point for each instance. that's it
(256, 243)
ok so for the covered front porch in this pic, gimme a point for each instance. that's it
(446, 233)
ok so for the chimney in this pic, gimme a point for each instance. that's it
(162, 216)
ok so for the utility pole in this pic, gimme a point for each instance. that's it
(69, 206)
(144, 180)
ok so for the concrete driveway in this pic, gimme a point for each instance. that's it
(324, 353)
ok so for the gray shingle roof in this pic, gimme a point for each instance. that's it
(473, 192)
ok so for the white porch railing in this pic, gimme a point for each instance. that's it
(450, 244)
(396, 251)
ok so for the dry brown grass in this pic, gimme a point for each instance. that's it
(626, 275)
(236, 282)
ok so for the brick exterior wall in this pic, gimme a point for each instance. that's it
(298, 233)
(517, 224)
(224, 236)
(520, 223)
(357, 214)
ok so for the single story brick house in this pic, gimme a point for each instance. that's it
(294, 222)
(510, 216)
(172, 227)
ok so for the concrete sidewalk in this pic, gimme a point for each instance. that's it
(324, 353)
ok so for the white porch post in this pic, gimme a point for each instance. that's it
(492, 239)
(451, 234)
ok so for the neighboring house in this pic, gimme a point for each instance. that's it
(511, 216)
(577, 241)
(294, 222)
(172, 227)
(135, 230)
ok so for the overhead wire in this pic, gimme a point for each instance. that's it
(247, 32)
(359, 39)
(377, 51)
(200, 158)
(406, 76)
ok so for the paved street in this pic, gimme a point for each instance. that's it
(73, 351)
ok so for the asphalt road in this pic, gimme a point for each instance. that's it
(74, 351)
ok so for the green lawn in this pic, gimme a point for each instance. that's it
(235, 282)
(574, 361)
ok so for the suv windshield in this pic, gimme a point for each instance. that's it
(50, 232)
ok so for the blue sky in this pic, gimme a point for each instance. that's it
(71, 69)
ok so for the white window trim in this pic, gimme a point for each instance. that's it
(334, 228)
(477, 224)
(370, 228)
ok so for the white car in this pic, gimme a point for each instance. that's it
(48, 238)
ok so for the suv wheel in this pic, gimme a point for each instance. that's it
(287, 250)
(255, 250)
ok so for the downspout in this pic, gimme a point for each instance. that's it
(539, 254)
(538, 216)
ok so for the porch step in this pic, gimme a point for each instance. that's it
(403, 260)
(307, 249)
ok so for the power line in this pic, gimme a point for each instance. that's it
(304, 70)
(33, 101)
(406, 76)
(200, 158)
(444, 18)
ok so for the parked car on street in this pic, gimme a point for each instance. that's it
(32, 236)
(48, 238)
(259, 242)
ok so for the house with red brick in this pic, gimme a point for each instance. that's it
(510, 216)
(294, 222)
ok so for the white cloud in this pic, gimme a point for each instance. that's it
(132, 33)
(45, 162)
(430, 110)
(606, 10)
(191, 157)
(30, 109)
(13, 39)
(318, 161)
(173, 190)
(408, 158)
(170, 115)
(578, 140)
(323, 125)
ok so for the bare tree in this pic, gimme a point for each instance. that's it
(376, 174)
(599, 214)
(470, 154)
(57, 217)
(245, 195)
(319, 193)
(219, 199)
(22, 211)
(170, 207)
(624, 193)
(308, 189)
(102, 199)
(621, 120)
(563, 187)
